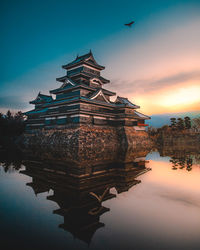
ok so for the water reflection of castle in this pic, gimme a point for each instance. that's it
(80, 199)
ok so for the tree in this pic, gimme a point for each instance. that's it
(8, 115)
(173, 122)
(11, 125)
(19, 116)
(174, 162)
(182, 162)
(189, 164)
(187, 122)
(165, 128)
(180, 124)
(2, 123)
(196, 123)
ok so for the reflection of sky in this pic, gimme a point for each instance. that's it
(155, 157)
(155, 63)
(27, 221)
(162, 212)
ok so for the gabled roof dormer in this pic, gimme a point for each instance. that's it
(99, 95)
(67, 84)
(141, 116)
(68, 81)
(124, 101)
(41, 99)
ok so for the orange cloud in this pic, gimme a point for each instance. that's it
(178, 98)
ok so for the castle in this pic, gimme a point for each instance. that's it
(82, 99)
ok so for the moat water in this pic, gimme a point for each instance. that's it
(156, 206)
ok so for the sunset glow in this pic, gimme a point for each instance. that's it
(183, 96)
(100, 124)
(155, 63)
(161, 73)
(174, 99)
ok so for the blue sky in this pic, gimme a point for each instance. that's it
(40, 36)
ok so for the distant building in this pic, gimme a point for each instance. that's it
(82, 99)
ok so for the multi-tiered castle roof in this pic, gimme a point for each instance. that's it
(81, 98)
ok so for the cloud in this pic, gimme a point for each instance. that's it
(171, 80)
(168, 57)
(180, 77)
(149, 85)
(142, 63)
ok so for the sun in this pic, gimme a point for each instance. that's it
(183, 96)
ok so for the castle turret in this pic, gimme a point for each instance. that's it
(85, 69)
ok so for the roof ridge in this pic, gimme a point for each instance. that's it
(84, 59)
(44, 95)
(89, 53)
(122, 97)
(142, 114)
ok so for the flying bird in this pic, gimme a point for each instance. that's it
(129, 24)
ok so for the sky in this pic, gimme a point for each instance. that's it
(155, 63)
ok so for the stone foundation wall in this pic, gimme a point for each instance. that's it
(133, 142)
(85, 145)
(180, 139)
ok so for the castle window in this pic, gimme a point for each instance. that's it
(94, 72)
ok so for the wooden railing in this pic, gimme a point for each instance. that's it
(142, 124)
